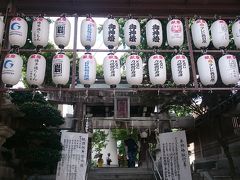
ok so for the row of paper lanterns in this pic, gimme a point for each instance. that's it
(134, 72)
(36, 66)
(154, 34)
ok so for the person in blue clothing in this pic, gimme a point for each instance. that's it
(131, 148)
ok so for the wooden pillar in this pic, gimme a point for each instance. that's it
(79, 113)
(10, 10)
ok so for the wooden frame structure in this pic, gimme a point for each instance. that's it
(185, 9)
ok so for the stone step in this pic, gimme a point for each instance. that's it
(120, 174)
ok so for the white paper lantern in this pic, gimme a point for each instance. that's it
(12, 69)
(88, 32)
(111, 33)
(175, 35)
(236, 33)
(62, 30)
(200, 34)
(132, 33)
(220, 34)
(157, 69)
(60, 69)
(87, 69)
(36, 68)
(134, 70)
(180, 69)
(228, 68)
(2, 25)
(112, 70)
(40, 32)
(154, 33)
(18, 29)
(207, 70)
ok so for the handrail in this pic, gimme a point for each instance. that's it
(155, 168)
(87, 170)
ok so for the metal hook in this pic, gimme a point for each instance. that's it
(38, 49)
(223, 50)
(237, 18)
(234, 91)
(170, 18)
(41, 15)
(133, 51)
(129, 16)
(114, 93)
(14, 49)
(86, 94)
(155, 50)
(195, 16)
(63, 15)
(110, 16)
(184, 91)
(204, 50)
(210, 91)
(176, 50)
(150, 17)
(34, 93)
(110, 49)
(215, 17)
(61, 51)
(60, 92)
(17, 50)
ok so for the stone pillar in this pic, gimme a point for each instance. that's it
(110, 148)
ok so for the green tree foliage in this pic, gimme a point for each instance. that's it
(99, 71)
(36, 142)
(99, 140)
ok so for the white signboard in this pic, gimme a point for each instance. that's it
(73, 163)
(174, 156)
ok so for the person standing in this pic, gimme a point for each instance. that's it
(131, 148)
(108, 159)
(100, 161)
